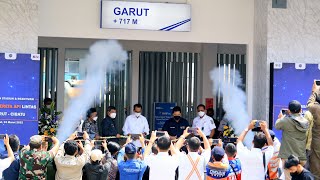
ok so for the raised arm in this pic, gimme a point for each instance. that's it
(265, 130)
(148, 148)
(205, 140)
(7, 144)
(244, 132)
(182, 139)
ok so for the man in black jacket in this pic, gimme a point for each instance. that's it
(108, 124)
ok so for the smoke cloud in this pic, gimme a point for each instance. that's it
(227, 82)
(103, 57)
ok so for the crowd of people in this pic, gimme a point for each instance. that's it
(179, 151)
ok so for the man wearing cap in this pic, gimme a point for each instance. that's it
(294, 128)
(96, 170)
(34, 161)
(275, 163)
(216, 169)
(131, 168)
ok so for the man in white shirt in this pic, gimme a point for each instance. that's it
(204, 122)
(136, 124)
(253, 161)
(162, 166)
(193, 165)
(5, 163)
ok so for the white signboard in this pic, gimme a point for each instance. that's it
(148, 16)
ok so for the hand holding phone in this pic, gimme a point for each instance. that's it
(192, 130)
(80, 134)
(48, 139)
(2, 136)
(285, 112)
(135, 136)
(160, 133)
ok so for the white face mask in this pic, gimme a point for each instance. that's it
(48, 106)
(95, 118)
(113, 115)
(201, 113)
(137, 114)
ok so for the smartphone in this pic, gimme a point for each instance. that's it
(160, 133)
(2, 136)
(215, 141)
(192, 130)
(98, 143)
(284, 112)
(135, 136)
(317, 82)
(48, 139)
(80, 134)
(257, 126)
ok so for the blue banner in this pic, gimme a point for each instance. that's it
(162, 112)
(19, 94)
(291, 82)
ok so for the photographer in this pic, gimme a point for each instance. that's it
(314, 133)
(192, 165)
(294, 128)
(253, 161)
(71, 158)
(34, 161)
(5, 163)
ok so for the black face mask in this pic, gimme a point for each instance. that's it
(295, 173)
(176, 117)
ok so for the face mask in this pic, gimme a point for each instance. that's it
(95, 118)
(201, 113)
(137, 114)
(113, 115)
(48, 106)
(295, 173)
(176, 117)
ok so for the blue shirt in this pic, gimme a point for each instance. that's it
(131, 169)
(12, 172)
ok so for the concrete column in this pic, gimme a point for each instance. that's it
(19, 26)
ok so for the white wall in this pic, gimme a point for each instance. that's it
(213, 21)
(19, 26)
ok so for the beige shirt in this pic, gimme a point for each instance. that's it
(70, 167)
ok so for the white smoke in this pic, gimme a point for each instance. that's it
(103, 57)
(227, 83)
